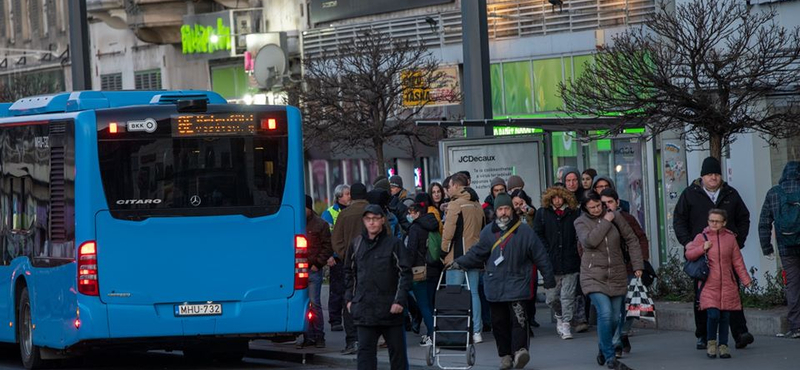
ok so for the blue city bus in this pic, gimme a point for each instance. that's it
(149, 219)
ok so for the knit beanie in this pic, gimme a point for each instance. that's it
(515, 182)
(358, 191)
(502, 199)
(379, 197)
(710, 166)
(396, 181)
(382, 184)
(498, 181)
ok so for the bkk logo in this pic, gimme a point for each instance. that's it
(138, 201)
(479, 158)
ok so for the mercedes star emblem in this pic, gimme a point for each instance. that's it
(195, 200)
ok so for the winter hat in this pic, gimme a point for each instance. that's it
(358, 191)
(379, 197)
(603, 178)
(710, 166)
(568, 170)
(498, 181)
(423, 199)
(309, 202)
(396, 181)
(502, 199)
(515, 182)
(382, 184)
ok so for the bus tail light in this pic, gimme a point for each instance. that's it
(300, 262)
(87, 269)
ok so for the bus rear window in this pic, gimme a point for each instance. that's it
(167, 175)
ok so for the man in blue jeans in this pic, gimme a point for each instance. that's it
(318, 234)
(462, 227)
(781, 208)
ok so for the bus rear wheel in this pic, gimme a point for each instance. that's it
(30, 353)
(224, 351)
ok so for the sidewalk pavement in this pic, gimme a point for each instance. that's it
(652, 349)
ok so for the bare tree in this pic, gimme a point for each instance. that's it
(21, 86)
(710, 69)
(353, 98)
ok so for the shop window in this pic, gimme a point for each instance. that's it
(547, 74)
(230, 81)
(518, 87)
(148, 80)
(335, 176)
(496, 74)
(318, 181)
(111, 82)
(565, 153)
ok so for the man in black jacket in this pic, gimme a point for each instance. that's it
(691, 217)
(378, 278)
(318, 233)
(554, 224)
(509, 249)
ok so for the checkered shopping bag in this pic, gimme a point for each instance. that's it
(638, 303)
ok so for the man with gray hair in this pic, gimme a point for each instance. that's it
(336, 297)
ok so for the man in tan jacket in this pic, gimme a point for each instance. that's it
(462, 229)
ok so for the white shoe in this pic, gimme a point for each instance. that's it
(559, 325)
(426, 341)
(477, 338)
(565, 331)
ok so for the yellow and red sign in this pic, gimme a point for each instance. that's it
(444, 91)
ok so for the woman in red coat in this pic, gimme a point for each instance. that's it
(720, 294)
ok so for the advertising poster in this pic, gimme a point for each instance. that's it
(486, 159)
(673, 165)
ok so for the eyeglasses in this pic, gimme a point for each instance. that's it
(372, 219)
(716, 221)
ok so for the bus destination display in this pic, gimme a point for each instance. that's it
(214, 124)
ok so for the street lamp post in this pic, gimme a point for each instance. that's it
(477, 82)
(79, 46)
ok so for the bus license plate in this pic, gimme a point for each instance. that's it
(198, 309)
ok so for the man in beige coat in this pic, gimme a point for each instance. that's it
(462, 229)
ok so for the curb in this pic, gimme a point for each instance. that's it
(348, 361)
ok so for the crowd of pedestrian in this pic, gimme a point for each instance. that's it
(387, 251)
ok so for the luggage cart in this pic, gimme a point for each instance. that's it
(452, 324)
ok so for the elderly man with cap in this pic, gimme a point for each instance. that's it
(319, 250)
(509, 249)
(378, 276)
(348, 226)
(691, 217)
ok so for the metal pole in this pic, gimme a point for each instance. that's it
(79, 46)
(477, 81)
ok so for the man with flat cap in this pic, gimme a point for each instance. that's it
(378, 278)
(691, 217)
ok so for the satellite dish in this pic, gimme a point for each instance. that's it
(270, 65)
